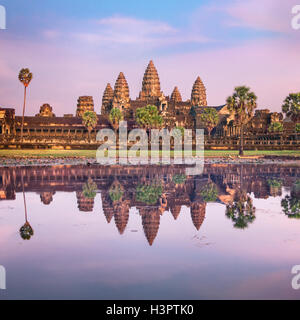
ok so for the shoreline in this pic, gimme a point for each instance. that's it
(21, 161)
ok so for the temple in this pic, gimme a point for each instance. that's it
(46, 130)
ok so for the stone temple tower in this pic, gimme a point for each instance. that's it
(198, 97)
(151, 83)
(107, 99)
(121, 97)
(176, 96)
(84, 104)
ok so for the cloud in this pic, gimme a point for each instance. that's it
(268, 15)
(122, 30)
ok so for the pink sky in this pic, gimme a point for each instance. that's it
(69, 64)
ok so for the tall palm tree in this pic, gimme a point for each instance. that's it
(241, 104)
(115, 116)
(89, 120)
(25, 76)
(291, 106)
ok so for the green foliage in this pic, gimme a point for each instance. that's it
(275, 127)
(178, 132)
(89, 189)
(148, 194)
(274, 183)
(297, 127)
(26, 231)
(291, 207)
(209, 192)
(148, 117)
(89, 119)
(116, 192)
(291, 105)
(115, 116)
(241, 104)
(210, 118)
(241, 212)
(25, 76)
(179, 178)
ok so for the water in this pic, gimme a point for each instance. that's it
(144, 252)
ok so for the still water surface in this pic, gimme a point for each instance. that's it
(77, 232)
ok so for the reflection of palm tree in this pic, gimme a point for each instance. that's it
(291, 204)
(149, 194)
(26, 231)
(89, 189)
(241, 211)
(209, 192)
(116, 191)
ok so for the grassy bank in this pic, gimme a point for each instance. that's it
(92, 153)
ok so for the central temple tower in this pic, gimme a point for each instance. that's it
(151, 84)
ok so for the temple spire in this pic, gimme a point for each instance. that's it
(151, 83)
(176, 96)
(107, 99)
(198, 97)
(121, 97)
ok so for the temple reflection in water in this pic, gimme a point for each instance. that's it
(157, 190)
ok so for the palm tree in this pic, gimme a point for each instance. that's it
(115, 116)
(25, 76)
(275, 127)
(148, 117)
(291, 106)
(210, 118)
(89, 120)
(241, 104)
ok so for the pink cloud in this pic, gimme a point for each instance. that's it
(267, 15)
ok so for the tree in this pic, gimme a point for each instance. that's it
(179, 178)
(148, 117)
(149, 194)
(297, 128)
(241, 104)
(25, 76)
(275, 127)
(26, 231)
(209, 192)
(291, 106)
(89, 120)
(89, 189)
(291, 203)
(116, 191)
(115, 116)
(210, 118)
(241, 211)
